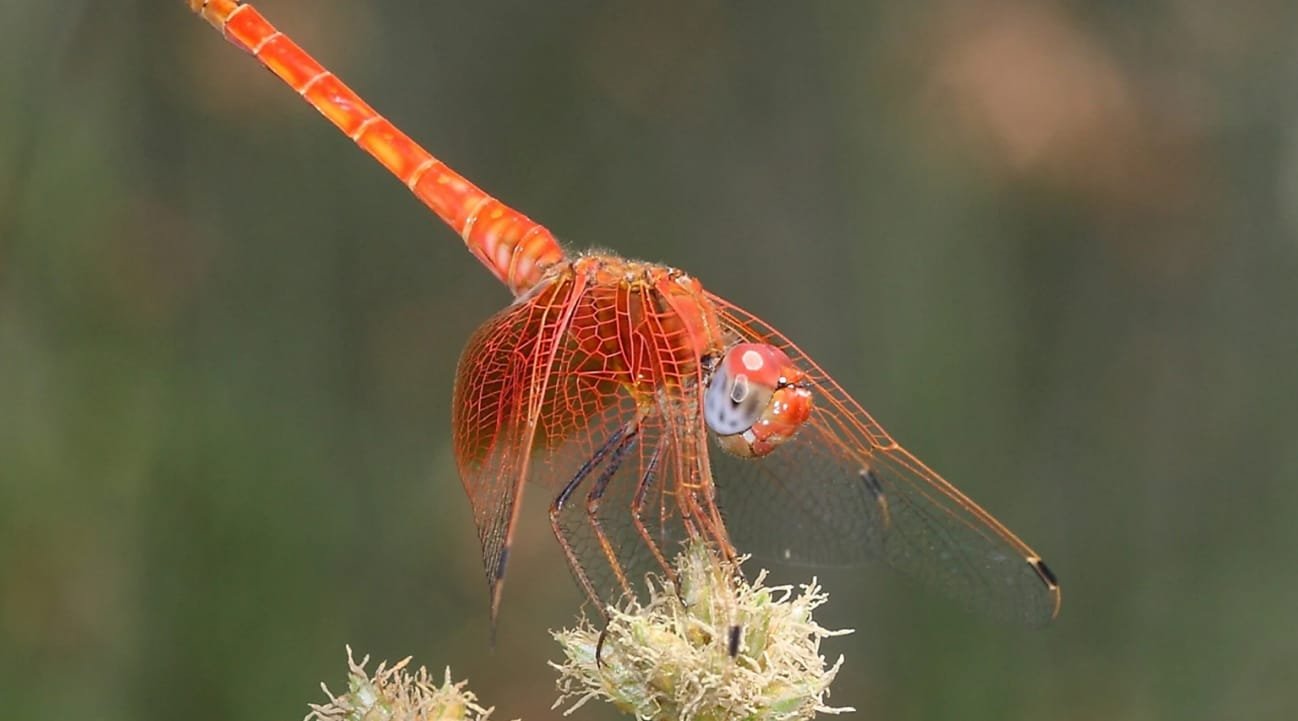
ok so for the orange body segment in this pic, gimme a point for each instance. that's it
(516, 249)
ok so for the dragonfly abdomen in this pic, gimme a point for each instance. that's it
(515, 248)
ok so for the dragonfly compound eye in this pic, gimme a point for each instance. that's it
(755, 400)
(734, 401)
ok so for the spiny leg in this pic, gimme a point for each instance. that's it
(697, 502)
(716, 528)
(702, 519)
(619, 437)
(637, 506)
(593, 502)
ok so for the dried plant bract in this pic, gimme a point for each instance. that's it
(395, 694)
(708, 646)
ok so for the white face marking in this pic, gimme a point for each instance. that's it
(752, 360)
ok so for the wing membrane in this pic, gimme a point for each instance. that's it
(843, 491)
(501, 389)
(565, 390)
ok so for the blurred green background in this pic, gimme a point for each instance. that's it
(1052, 246)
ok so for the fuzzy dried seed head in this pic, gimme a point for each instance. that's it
(394, 694)
(713, 648)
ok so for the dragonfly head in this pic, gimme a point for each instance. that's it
(756, 399)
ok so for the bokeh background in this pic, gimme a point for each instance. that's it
(1053, 246)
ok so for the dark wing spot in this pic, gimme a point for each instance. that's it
(500, 565)
(735, 635)
(872, 483)
(1047, 576)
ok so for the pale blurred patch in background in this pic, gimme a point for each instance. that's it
(1052, 246)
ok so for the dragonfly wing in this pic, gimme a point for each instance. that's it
(500, 388)
(616, 436)
(843, 491)
(551, 392)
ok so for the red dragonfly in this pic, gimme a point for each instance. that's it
(656, 412)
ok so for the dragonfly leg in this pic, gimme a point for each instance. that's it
(699, 505)
(593, 502)
(561, 500)
(736, 635)
(637, 507)
(599, 647)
